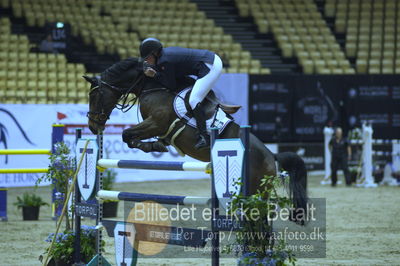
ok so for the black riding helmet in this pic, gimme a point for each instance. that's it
(149, 46)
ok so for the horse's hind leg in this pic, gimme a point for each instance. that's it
(262, 163)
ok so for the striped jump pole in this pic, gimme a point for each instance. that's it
(155, 165)
(163, 199)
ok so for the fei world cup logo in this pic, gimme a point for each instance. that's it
(227, 157)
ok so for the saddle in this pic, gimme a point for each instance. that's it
(218, 115)
(229, 109)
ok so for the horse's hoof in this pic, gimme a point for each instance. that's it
(201, 145)
(132, 144)
(157, 146)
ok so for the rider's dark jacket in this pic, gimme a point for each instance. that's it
(176, 63)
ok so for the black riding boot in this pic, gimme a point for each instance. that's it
(203, 140)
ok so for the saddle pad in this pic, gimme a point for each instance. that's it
(219, 120)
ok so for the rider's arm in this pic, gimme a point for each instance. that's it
(166, 75)
(184, 82)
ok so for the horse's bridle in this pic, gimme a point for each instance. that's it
(102, 117)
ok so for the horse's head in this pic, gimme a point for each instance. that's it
(102, 100)
(115, 83)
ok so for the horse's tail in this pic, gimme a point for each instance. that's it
(296, 168)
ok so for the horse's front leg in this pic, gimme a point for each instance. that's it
(151, 146)
(144, 130)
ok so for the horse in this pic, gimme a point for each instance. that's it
(156, 107)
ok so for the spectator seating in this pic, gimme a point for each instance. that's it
(27, 77)
(300, 32)
(371, 31)
(117, 26)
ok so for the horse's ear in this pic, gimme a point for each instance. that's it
(89, 79)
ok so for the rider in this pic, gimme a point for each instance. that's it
(167, 65)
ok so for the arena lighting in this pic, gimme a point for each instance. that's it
(60, 25)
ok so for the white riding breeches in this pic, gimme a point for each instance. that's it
(203, 85)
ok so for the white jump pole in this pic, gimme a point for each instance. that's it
(155, 165)
(328, 133)
(396, 156)
(367, 132)
(394, 166)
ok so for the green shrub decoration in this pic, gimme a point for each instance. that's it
(29, 200)
(260, 249)
(63, 248)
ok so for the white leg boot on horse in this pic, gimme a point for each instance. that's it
(200, 90)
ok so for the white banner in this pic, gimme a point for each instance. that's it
(29, 126)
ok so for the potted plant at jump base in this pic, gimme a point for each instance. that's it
(259, 249)
(62, 169)
(62, 253)
(110, 207)
(30, 205)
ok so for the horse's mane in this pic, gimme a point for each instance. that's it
(122, 73)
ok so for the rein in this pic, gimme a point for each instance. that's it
(121, 93)
(126, 105)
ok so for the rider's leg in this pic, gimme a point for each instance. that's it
(200, 116)
(200, 90)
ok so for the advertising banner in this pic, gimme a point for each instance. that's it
(272, 101)
(376, 100)
(317, 104)
(296, 108)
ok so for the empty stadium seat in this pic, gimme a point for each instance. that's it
(370, 28)
(176, 22)
(300, 32)
(28, 77)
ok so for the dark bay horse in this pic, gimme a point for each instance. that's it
(156, 107)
